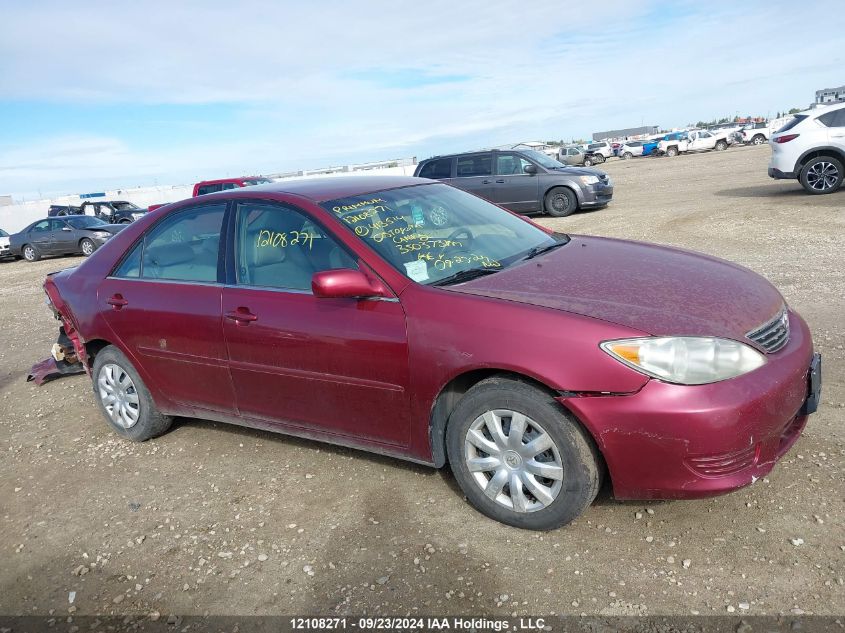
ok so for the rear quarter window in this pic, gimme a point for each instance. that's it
(437, 169)
(792, 123)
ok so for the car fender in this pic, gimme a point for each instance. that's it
(562, 181)
(824, 149)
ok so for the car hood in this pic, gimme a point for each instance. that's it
(658, 290)
(577, 171)
(109, 228)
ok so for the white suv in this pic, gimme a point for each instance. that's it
(811, 148)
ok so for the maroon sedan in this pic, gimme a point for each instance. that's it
(536, 364)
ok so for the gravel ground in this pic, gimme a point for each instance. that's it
(212, 519)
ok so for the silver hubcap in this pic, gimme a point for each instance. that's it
(822, 175)
(513, 460)
(29, 253)
(87, 248)
(118, 395)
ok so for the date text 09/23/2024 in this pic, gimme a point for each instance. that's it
(416, 624)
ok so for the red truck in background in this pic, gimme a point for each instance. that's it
(222, 184)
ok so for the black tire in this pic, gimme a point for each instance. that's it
(560, 202)
(578, 456)
(150, 422)
(87, 247)
(821, 175)
(600, 159)
(672, 151)
(30, 253)
(758, 139)
(721, 146)
(627, 155)
(588, 162)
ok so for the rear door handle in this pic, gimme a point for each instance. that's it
(486, 182)
(117, 301)
(241, 316)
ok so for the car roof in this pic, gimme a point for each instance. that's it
(331, 188)
(481, 151)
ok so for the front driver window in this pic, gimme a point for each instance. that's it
(278, 247)
(185, 246)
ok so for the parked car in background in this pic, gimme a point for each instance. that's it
(600, 148)
(811, 148)
(576, 156)
(525, 181)
(695, 141)
(111, 211)
(5, 251)
(630, 149)
(283, 292)
(72, 234)
(756, 133)
(224, 184)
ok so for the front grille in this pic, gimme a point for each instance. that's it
(721, 465)
(772, 335)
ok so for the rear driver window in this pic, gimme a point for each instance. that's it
(185, 246)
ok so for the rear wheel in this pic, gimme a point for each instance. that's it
(86, 246)
(721, 146)
(125, 221)
(124, 399)
(821, 175)
(560, 202)
(30, 254)
(758, 139)
(519, 458)
(588, 162)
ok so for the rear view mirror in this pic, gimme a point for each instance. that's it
(345, 283)
(530, 169)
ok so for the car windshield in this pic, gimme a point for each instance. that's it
(123, 206)
(3, 233)
(256, 181)
(542, 159)
(85, 222)
(431, 232)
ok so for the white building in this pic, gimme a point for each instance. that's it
(830, 95)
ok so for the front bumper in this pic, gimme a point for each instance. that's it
(5, 252)
(597, 195)
(680, 442)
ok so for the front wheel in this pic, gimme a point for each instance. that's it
(519, 458)
(672, 151)
(30, 254)
(86, 246)
(560, 202)
(821, 175)
(627, 155)
(721, 146)
(124, 399)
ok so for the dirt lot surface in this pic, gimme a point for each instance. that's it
(212, 519)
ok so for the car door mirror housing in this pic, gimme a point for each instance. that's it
(530, 169)
(345, 283)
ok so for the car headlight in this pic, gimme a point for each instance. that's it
(102, 234)
(589, 180)
(686, 360)
(137, 216)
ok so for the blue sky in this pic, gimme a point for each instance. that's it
(96, 95)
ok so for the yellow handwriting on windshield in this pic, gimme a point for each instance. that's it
(282, 239)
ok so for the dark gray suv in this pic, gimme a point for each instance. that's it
(525, 181)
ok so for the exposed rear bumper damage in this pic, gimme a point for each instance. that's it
(63, 361)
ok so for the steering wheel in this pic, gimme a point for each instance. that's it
(462, 235)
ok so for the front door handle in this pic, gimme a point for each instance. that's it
(486, 182)
(501, 181)
(241, 316)
(117, 301)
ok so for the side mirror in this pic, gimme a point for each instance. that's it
(345, 283)
(530, 169)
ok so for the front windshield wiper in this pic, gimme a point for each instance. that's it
(539, 250)
(465, 275)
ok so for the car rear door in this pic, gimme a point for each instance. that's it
(512, 187)
(41, 236)
(336, 366)
(163, 304)
(474, 173)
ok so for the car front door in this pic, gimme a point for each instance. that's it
(474, 173)
(336, 366)
(163, 304)
(513, 188)
(65, 237)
